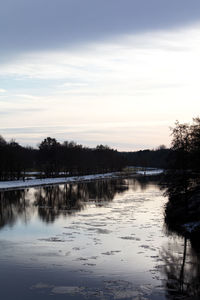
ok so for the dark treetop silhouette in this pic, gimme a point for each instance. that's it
(69, 158)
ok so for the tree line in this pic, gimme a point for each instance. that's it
(53, 159)
(157, 158)
(182, 181)
(185, 154)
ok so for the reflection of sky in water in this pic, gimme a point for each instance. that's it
(114, 246)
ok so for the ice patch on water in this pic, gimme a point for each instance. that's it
(96, 224)
(51, 239)
(112, 252)
(99, 230)
(120, 289)
(76, 248)
(112, 289)
(81, 258)
(48, 254)
(131, 238)
(67, 290)
(103, 231)
(93, 257)
(41, 285)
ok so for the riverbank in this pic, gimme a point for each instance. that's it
(20, 184)
(182, 210)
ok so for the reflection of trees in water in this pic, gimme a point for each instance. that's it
(54, 201)
(182, 263)
(182, 270)
(62, 200)
(142, 183)
(105, 190)
(13, 205)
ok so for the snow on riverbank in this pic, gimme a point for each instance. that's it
(18, 184)
(5, 185)
(150, 172)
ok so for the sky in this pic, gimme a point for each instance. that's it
(115, 72)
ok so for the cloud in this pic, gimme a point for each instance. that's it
(123, 136)
(36, 25)
(2, 91)
(140, 78)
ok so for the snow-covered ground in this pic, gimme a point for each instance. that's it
(49, 181)
(150, 172)
(17, 184)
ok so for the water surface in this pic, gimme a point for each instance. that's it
(97, 240)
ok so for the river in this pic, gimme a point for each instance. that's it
(97, 240)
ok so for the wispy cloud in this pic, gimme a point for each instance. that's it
(121, 92)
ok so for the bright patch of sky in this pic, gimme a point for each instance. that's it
(124, 90)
